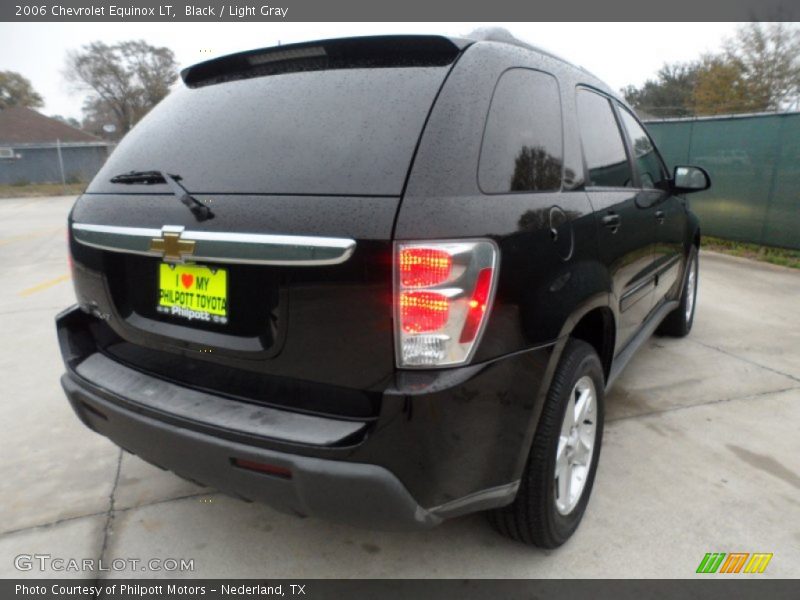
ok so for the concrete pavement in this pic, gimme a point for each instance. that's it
(701, 454)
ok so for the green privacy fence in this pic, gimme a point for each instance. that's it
(754, 163)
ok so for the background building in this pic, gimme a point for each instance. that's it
(38, 149)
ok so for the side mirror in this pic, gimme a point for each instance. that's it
(690, 179)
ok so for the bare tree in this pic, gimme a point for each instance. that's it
(125, 80)
(16, 90)
(535, 169)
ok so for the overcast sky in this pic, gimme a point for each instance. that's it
(618, 53)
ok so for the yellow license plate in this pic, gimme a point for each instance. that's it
(193, 292)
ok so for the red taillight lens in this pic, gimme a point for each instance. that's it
(423, 267)
(423, 311)
(443, 294)
(477, 306)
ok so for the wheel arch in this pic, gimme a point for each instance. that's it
(692, 231)
(597, 327)
(595, 322)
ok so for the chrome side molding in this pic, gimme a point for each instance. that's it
(174, 243)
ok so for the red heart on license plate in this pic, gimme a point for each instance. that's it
(187, 280)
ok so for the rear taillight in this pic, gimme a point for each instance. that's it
(443, 295)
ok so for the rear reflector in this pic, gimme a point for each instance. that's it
(443, 295)
(251, 465)
(477, 305)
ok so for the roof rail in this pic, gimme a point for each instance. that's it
(504, 36)
(501, 35)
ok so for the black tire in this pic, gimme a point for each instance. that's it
(533, 517)
(678, 323)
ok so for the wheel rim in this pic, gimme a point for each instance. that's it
(576, 445)
(691, 290)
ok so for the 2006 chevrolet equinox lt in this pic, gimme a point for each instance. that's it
(381, 280)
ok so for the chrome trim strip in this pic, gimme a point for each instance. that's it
(668, 264)
(651, 278)
(222, 247)
(131, 240)
(624, 301)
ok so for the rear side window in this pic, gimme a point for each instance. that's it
(651, 170)
(522, 145)
(603, 148)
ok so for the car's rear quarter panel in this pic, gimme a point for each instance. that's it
(546, 282)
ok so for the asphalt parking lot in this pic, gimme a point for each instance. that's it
(701, 454)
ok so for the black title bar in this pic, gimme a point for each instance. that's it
(407, 10)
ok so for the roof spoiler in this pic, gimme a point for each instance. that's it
(344, 53)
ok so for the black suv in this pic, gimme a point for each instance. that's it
(381, 280)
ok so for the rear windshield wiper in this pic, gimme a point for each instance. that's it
(200, 211)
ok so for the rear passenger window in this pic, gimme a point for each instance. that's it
(522, 145)
(648, 163)
(603, 147)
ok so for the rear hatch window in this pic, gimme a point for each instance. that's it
(341, 127)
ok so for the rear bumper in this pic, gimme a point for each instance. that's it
(411, 469)
(338, 490)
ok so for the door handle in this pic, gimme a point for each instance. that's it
(612, 221)
(660, 216)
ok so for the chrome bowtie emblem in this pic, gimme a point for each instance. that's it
(172, 247)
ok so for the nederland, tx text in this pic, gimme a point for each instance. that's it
(238, 11)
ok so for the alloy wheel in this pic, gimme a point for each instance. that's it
(576, 445)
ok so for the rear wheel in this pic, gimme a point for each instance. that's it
(679, 322)
(559, 475)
